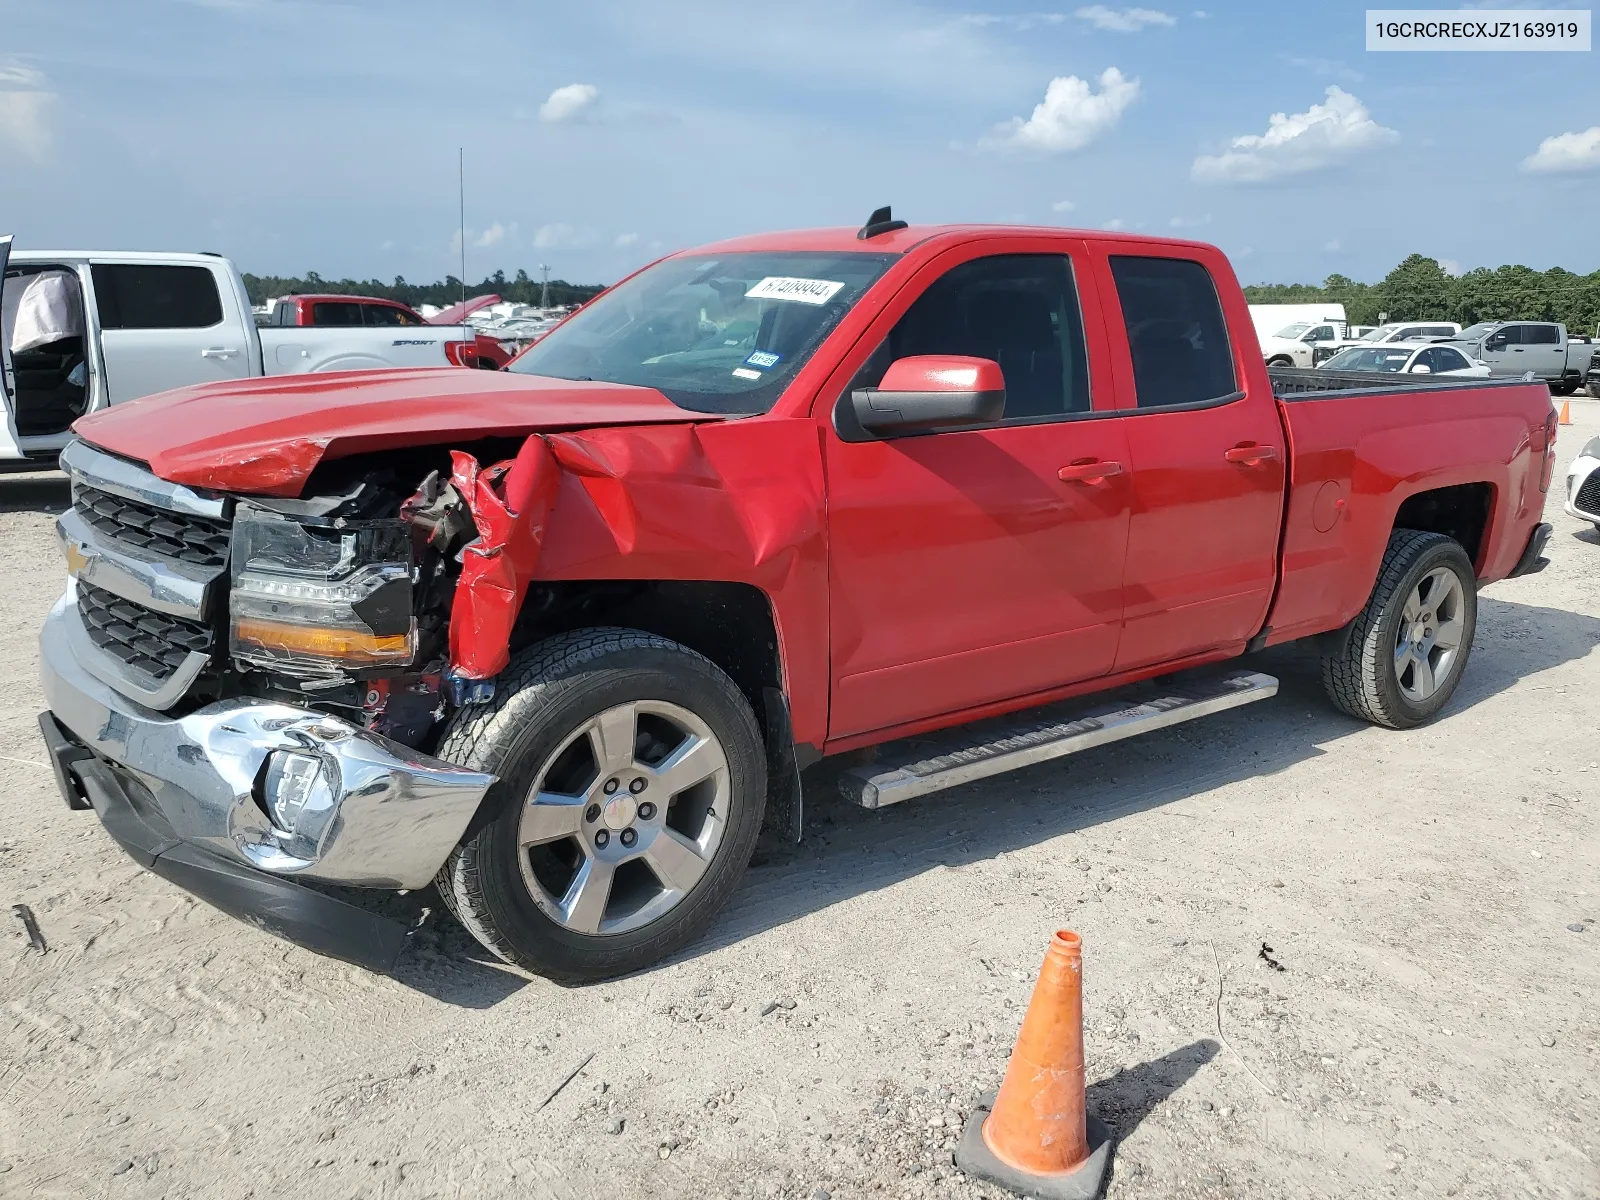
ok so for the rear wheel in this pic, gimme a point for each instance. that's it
(1280, 361)
(1564, 388)
(1594, 390)
(1400, 660)
(632, 782)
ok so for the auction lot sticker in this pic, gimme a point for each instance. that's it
(1478, 29)
(789, 287)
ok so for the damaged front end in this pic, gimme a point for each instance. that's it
(256, 681)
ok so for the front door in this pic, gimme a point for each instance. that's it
(165, 326)
(1208, 468)
(979, 565)
(1504, 352)
(8, 381)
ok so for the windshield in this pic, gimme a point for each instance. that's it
(714, 333)
(1290, 332)
(1359, 358)
(1378, 334)
(1472, 332)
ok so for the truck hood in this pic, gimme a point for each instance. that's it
(266, 436)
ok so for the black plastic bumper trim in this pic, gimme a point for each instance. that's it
(309, 918)
(64, 752)
(1533, 560)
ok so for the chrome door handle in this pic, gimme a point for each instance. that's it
(1089, 472)
(218, 352)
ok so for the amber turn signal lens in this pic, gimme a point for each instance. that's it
(346, 645)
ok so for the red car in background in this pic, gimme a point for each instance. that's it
(328, 309)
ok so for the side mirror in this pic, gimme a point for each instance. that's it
(1422, 369)
(932, 391)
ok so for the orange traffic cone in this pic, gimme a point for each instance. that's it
(1566, 413)
(1036, 1137)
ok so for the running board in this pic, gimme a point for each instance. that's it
(966, 753)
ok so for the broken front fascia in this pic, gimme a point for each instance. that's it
(510, 503)
(738, 502)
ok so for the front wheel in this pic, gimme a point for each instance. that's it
(632, 778)
(1280, 362)
(1400, 660)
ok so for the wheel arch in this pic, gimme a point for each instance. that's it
(733, 624)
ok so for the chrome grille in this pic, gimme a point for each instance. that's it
(175, 535)
(150, 642)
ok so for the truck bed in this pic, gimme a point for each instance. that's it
(1293, 383)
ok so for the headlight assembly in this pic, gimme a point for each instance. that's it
(311, 600)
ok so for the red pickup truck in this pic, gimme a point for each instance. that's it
(560, 639)
(338, 310)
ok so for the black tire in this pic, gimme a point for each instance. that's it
(550, 690)
(1280, 362)
(1358, 663)
(1594, 390)
(1564, 388)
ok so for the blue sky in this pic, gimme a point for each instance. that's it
(293, 135)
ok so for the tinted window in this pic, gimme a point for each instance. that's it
(336, 313)
(382, 314)
(1541, 335)
(1447, 359)
(1510, 335)
(1021, 310)
(156, 297)
(1175, 331)
(1438, 331)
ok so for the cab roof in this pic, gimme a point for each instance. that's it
(840, 239)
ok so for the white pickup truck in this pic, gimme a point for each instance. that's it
(82, 330)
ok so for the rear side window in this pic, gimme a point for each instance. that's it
(1542, 335)
(382, 314)
(338, 313)
(135, 296)
(1176, 332)
(1021, 311)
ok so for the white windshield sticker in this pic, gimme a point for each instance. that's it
(746, 373)
(788, 287)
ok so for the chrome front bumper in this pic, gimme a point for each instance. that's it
(396, 815)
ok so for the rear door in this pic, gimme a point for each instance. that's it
(1545, 350)
(1208, 459)
(8, 382)
(167, 325)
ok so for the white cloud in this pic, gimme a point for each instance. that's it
(561, 236)
(1071, 116)
(1320, 137)
(574, 102)
(491, 236)
(1114, 224)
(1018, 23)
(1200, 14)
(25, 100)
(625, 240)
(1123, 20)
(1189, 222)
(1565, 153)
(1450, 267)
(1063, 206)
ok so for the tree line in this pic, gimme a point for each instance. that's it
(520, 288)
(1420, 289)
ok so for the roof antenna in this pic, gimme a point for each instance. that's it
(881, 221)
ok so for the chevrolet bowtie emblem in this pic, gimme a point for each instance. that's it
(76, 558)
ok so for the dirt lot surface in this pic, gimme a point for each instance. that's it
(1431, 898)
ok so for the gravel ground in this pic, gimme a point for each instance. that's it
(1432, 1027)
